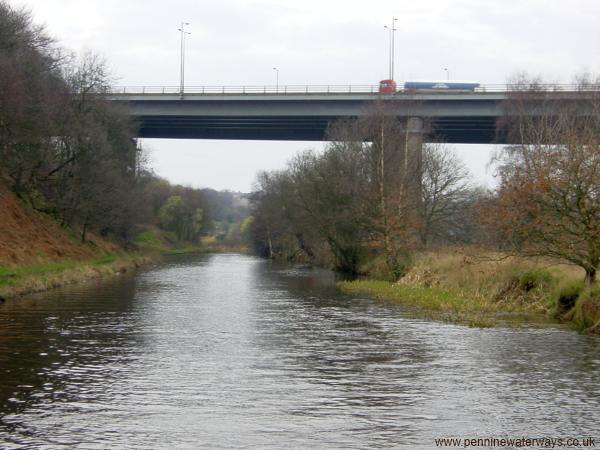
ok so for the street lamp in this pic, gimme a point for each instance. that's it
(392, 31)
(276, 79)
(447, 73)
(182, 60)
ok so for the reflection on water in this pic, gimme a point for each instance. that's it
(232, 351)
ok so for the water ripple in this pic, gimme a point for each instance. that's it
(228, 351)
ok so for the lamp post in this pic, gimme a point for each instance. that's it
(276, 79)
(392, 30)
(447, 73)
(182, 59)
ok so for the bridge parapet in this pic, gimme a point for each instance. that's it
(327, 89)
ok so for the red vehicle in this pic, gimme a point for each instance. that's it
(387, 86)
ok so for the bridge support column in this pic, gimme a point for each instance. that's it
(398, 151)
(412, 157)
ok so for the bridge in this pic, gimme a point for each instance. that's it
(303, 113)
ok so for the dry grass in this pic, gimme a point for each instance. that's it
(491, 276)
(475, 287)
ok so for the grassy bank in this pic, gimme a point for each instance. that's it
(19, 280)
(38, 255)
(44, 273)
(26, 278)
(478, 288)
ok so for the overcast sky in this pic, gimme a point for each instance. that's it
(238, 42)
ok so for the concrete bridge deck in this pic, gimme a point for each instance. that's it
(287, 114)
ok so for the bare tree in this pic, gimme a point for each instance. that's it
(446, 195)
(32, 98)
(548, 203)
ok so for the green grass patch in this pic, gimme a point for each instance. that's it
(10, 276)
(150, 240)
(105, 259)
(155, 240)
(20, 280)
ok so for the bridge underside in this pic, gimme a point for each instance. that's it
(467, 130)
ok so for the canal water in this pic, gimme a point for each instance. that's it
(230, 351)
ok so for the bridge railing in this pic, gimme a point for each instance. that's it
(326, 89)
(282, 89)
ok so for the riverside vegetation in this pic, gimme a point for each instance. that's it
(477, 287)
(375, 206)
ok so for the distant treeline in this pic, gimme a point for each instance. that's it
(68, 152)
(190, 213)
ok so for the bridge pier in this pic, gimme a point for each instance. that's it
(413, 148)
(398, 146)
(411, 159)
(398, 157)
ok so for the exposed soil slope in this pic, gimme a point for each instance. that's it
(29, 237)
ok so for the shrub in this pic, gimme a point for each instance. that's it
(534, 278)
(586, 312)
(529, 286)
(566, 296)
(381, 268)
